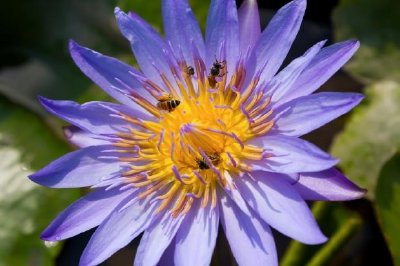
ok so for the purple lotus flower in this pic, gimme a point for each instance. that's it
(206, 132)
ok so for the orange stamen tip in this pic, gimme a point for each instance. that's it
(183, 154)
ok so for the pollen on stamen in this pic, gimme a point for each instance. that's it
(206, 133)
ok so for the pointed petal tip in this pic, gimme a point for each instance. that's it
(36, 177)
(322, 43)
(77, 51)
(328, 185)
(320, 239)
(43, 100)
(49, 104)
(315, 237)
(331, 161)
(354, 99)
(301, 4)
(349, 45)
(354, 42)
(117, 10)
(120, 14)
(40, 178)
(46, 235)
(358, 97)
(315, 48)
(360, 193)
(121, 17)
(33, 177)
(335, 160)
(297, 6)
(355, 192)
(72, 45)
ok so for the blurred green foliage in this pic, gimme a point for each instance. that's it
(27, 143)
(388, 202)
(371, 136)
(376, 24)
(35, 61)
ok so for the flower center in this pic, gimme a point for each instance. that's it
(198, 136)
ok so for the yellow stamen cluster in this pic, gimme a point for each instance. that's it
(183, 156)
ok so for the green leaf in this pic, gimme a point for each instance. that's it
(387, 204)
(26, 208)
(371, 136)
(376, 24)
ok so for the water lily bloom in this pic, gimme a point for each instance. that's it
(207, 132)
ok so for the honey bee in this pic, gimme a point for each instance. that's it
(202, 164)
(214, 158)
(217, 70)
(190, 70)
(167, 103)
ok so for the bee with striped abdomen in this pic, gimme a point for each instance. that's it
(167, 103)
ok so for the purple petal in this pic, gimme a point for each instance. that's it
(304, 114)
(112, 75)
(321, 68)
(167, 258)
(291, 155)
(95, 117)
(196, 238)
(182, 29)
(118, 230)
(149, 49)
(249, 24)
(156, 239)
(327, 185)
(235, 195)
(276, 40)
(277, 202)
(84, 214)
(283, 81)
(81, 168)
(83, 138)
(250, 239)
(222, 32)
(142, 22)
